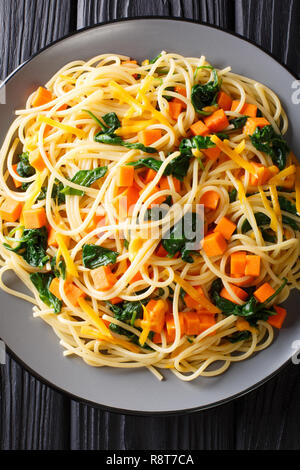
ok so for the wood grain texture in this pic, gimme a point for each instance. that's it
(32, 416)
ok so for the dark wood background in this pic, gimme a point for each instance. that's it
(33, 416)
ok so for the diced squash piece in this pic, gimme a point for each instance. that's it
(175, 109)
(250, 110)
(278, 319)
(199, 128)
(253, 123)
(34, 218)
(210, 200)
(180, 89)
(246, 283)
(52, 239)
(97, 221)
(125, 176)
(192, 303)
(154, 315)
(103, 278)
(212, 153)
(226, 227)
(73, 293)
(137, 277)
(264, 292)
(149, 136)
(150, 175)
(224, 101)
(214, 244)
(240, 293)
(154, 190)
(54, 288)
(244, 325)
(252, 265)
(160, 251)
(170, 326)
(17, 183)
(164, 184)
(263, 174)
(115, 300)
(217, 121)
(238, 263)
(36, 160)
(128, 201)
(10, 210)
(42, 96)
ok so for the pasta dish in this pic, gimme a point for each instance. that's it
(152, 211)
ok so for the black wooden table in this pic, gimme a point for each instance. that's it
(33, 416)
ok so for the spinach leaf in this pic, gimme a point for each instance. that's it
(42, 282)
(266, 140)
(205, 95)
(107, 136)
(24, 169)
(94, 256)
(239, 122)
(261, 220)
(177, 167)
(182, 238)
(32, 246)
(60, 270)
(152, 61)
(287, 205)
(84, 178)
(252, 309)
(112, 139)
(198, 142)
(239, 336)
(290, 222)
(232, 195)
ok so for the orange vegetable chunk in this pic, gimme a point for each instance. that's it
(253, 123)
(226, 227)
(103, 278)
(278, 319)
(217, 122)
(210, 199)
(170, 326)
(137, 277)
(214, 244)
(36, 160)
(175, 109)
(149, 136)
(150, 175)
(240, 293)
(252, 265)
(73, 293)
(263, 174)
(264, 292)
(164, 184)
(154, 315)
(125, 176)
(238, 263)
(199, 128)
(190, 302)
(10, 210)
(35, 218)
(212, 153)
(224, 101)
(41, 97)
(54, 288)
(17, 183)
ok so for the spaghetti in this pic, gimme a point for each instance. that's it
(99, 173)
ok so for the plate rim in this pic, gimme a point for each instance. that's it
(45, 381)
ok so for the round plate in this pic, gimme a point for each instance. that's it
(31, 340)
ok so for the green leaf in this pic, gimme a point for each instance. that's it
(42, 282)
(205, 95)
(32, 246)
(24, 169)
(232, 195)
(266, 140)
(112, 139)
(94, 256)
(261, 220)
(239, 122)
(84, 178)
(239, 336)
(152, 61)
(183, 233)
(286, 205)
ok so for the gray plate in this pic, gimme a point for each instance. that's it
(33, 341)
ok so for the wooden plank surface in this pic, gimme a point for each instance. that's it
(32, 416)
